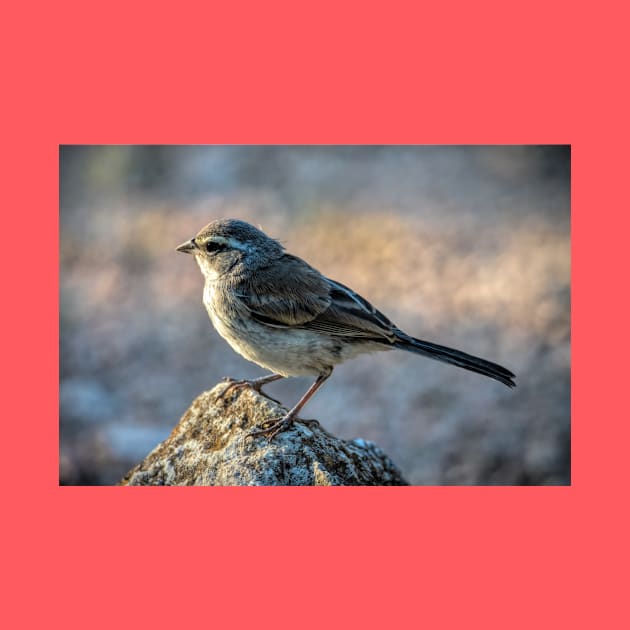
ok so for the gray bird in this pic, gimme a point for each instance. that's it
(276, 310)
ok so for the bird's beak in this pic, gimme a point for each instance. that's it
(188, 247)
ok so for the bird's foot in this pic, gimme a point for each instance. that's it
(256, 384)
(271, 428)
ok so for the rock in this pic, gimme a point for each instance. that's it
(209, 447)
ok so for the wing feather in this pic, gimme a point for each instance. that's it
(293, 299)
(303, 298)
(351, 315)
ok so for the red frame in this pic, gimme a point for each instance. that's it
(285, 72)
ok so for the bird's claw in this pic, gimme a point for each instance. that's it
(279, 426)
(231, 384)
(242, 383)
(273, 429)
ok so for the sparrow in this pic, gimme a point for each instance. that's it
(279, 312)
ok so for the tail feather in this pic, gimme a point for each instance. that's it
(455, 357)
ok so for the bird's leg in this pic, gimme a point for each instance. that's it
(286, 421)
(256, 384)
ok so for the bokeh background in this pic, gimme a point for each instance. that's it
(465, 246)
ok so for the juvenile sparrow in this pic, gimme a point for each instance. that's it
(279, 312)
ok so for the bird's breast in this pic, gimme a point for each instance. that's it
(287, 351)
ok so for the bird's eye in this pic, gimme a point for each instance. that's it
(213, 246)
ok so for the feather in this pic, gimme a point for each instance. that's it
(291, 299)
(455, 357)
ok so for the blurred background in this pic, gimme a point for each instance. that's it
(466, 246)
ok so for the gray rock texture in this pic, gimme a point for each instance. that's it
(210, 447)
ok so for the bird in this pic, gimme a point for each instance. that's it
(279, 312)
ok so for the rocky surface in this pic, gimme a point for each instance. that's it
(211, 446)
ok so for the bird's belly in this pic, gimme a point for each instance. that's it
(286, 351)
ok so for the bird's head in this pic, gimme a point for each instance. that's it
(231, 245)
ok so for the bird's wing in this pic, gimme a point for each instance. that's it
(293, 299)
(304, 298)
(350, 315)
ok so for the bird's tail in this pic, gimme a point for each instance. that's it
(455, 357)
